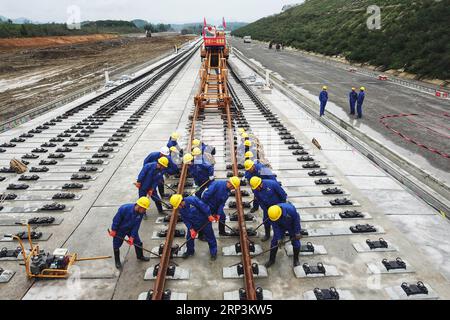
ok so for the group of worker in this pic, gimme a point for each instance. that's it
(206, 204)
(355, 99)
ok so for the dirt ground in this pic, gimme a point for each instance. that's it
(36, 72)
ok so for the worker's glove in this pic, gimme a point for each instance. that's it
(211, 178)
(216, 217)
(280, 244)
(150, 193)
(138, 185)
(211, 219)
(130, 241)
(298, 236)
(193, 233)
(113, 233)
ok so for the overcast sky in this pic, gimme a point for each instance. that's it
(166, 11)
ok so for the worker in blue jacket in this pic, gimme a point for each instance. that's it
(149, 178)
(352, 97)
(257, 169)
(361, 96)
(172, 168)
(216, 195)
(196, 143)
(196, 216)
(173, 142)
(201, 171)
(323, 98)
(284, 217)
(268, 193)
(126, 222)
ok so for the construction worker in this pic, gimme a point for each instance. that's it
(126, 222)
(284, 217)
(196, 216)
(323, 98)
(201, 171)
(175, 156)
(216, 195)
(361, 96)
(173, 142)
(149, 178)
(268, 193)
(257, 169)
(249, 156)
(352, 97)
(203, 147)
(172, 168)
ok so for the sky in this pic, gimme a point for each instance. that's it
(164, 11)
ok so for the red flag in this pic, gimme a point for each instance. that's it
(224, 23)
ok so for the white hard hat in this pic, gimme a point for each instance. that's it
(165, 151)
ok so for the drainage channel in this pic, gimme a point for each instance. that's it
(67, 153)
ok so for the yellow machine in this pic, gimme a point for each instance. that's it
(55, 266)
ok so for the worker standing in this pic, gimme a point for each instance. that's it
(149, 178)
(323, 98)
(268, 193)
(202, 172)
(352, 97)
(216, 195)
(284, 217)
(127, 222)
(361, 96)
(196, 216)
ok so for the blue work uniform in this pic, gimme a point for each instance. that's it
(173, 143)
(201, 172)
(172, 168)
(361, 97)
(290, 222)
(271, 193)
(126, 222)
(149, 177)
(195, 216)
(323, 98)
(208, 149)
(352, 97)
(215, 196)
(263, 172)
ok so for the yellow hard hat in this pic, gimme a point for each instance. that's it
(248, 164)
(249, 154)
(362, 88)
(274, 213)
(235, 182)
(175, 135)
(324, 87)
(187, 158)
(174, 149)
(164, 162)
(247, 143)
(195, 143)
(143, 202)
(241, 130)
(244, 135)
(255, 182)
(175, 200)
(353, 88)
(196, 152)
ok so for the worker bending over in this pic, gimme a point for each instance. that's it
(257, 169)
(284, 217)
(196, 216)
(173, 142)
(216, 195)
(149, 178)
(126, 222)
(267, 193)
(202, 172)
(196, 143)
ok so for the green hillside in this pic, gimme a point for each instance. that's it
(414, 34)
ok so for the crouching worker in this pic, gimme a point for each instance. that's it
(284, 217)
(126, 222)
(196, 216)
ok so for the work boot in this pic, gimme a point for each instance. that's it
(117, 258)
(273, 255)
(140, 254)
(222, 231)
(213, 257)
(186, 255)
(296, 253)
(266, 233)
(253, 210)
